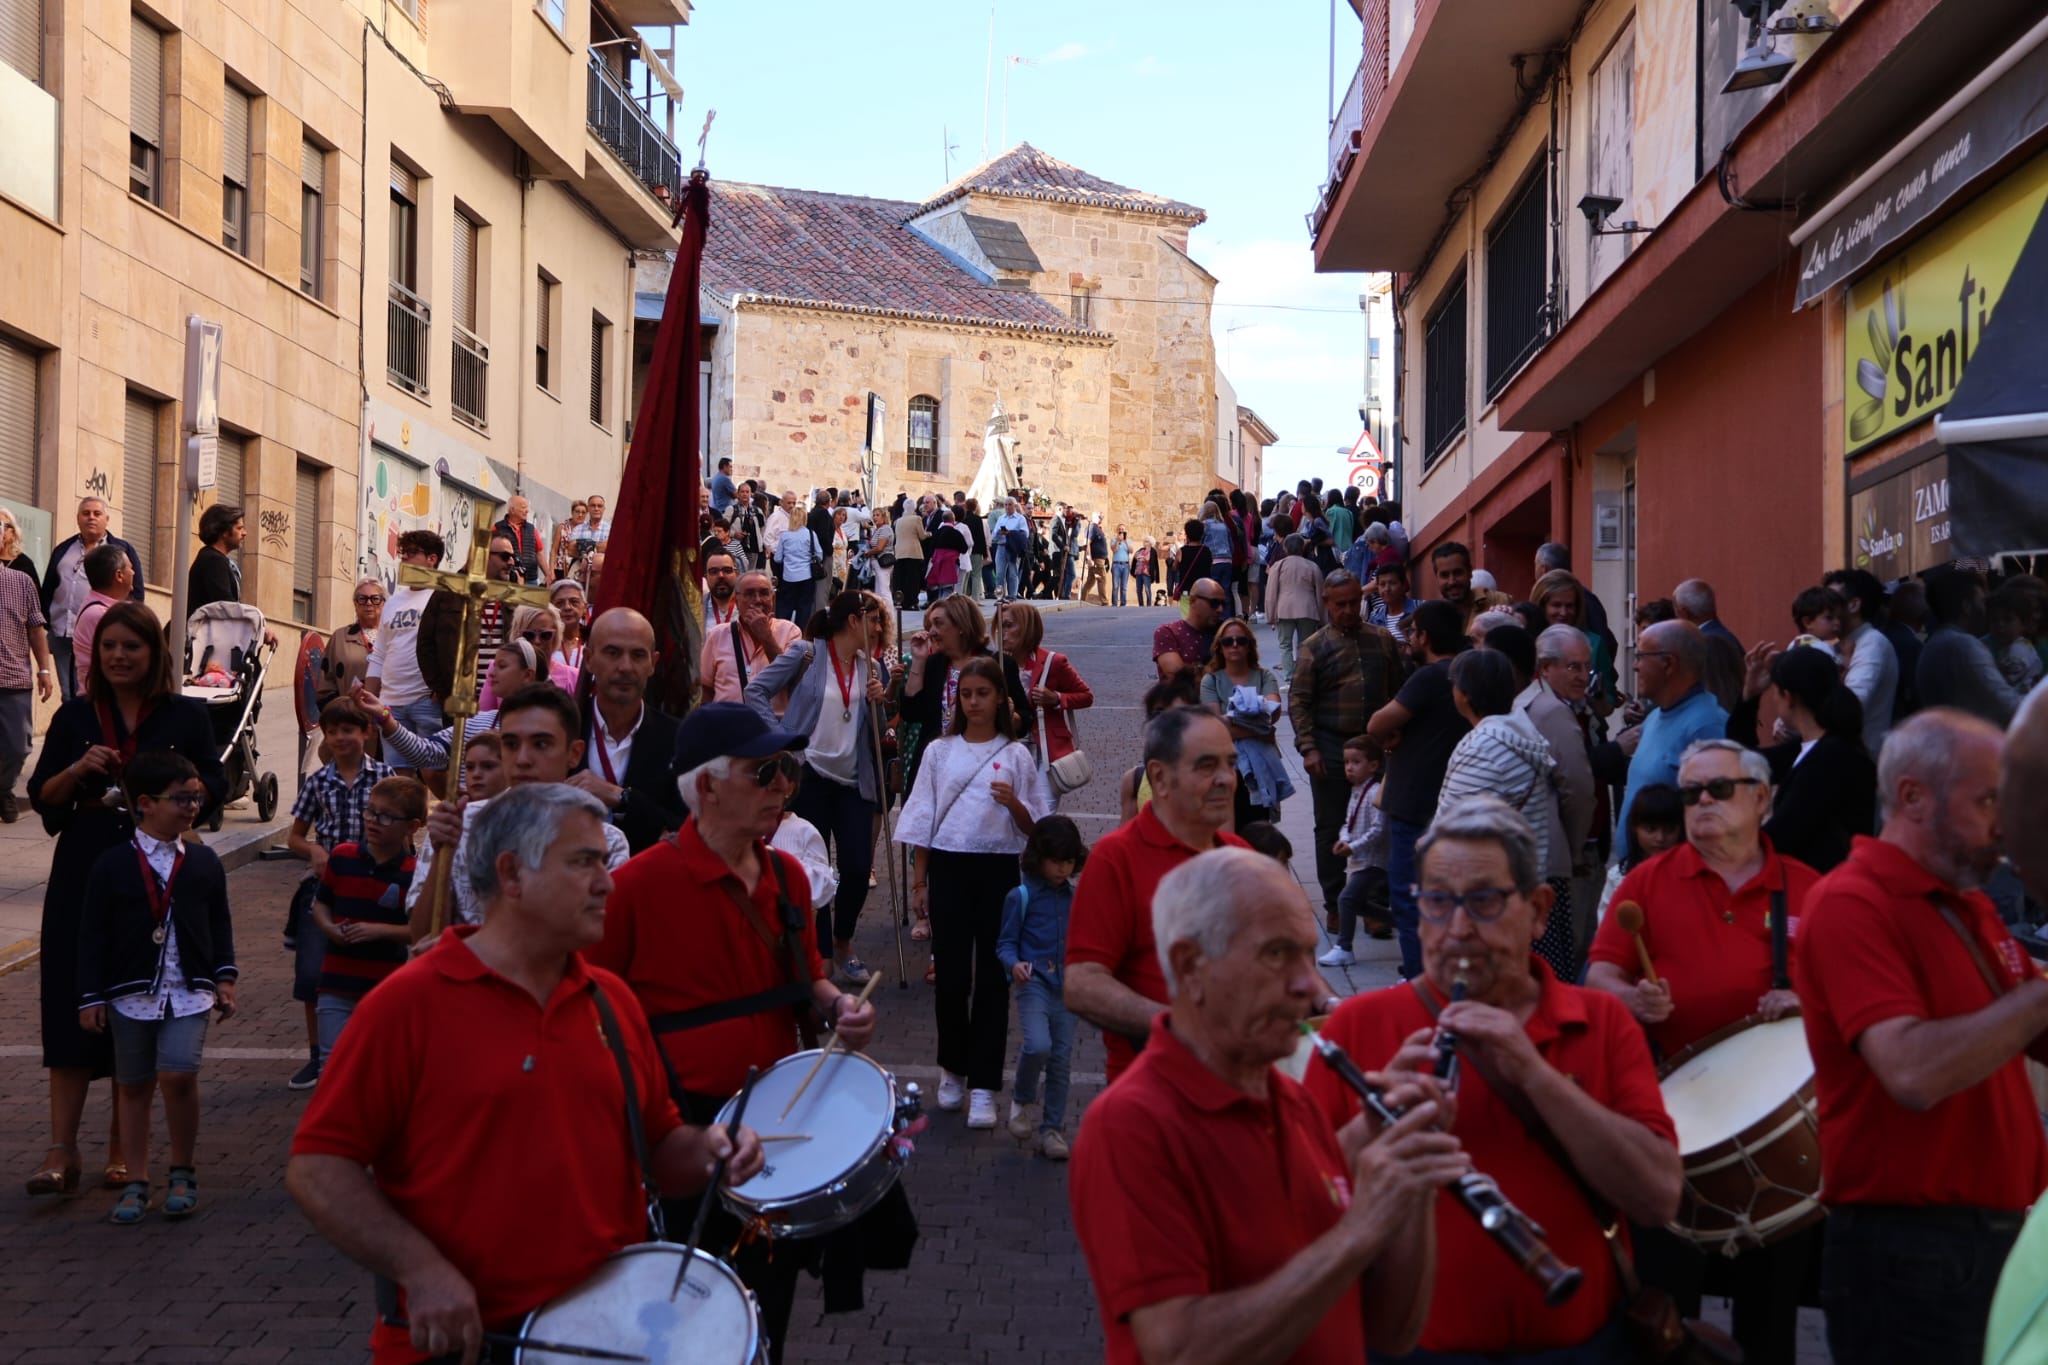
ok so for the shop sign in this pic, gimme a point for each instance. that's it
(1899, 525)
(1915, 322)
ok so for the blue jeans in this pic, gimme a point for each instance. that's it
(61, 659)
(1144, 589)
(331, 1012)
(1008, 570)
(1912, 1286)
(1401, 869)
(1119, 585)
(1048, 1028)
(935, 594)
(143, 1047)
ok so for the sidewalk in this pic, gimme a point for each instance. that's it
(25, 849)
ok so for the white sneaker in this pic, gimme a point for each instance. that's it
(981, 1109)
(1023, 1120)
(1336, 957)
(952, 1090)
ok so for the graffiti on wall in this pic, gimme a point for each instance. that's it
(94, 484)
(277, 531)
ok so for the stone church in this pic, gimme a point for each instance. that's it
(1068, 300)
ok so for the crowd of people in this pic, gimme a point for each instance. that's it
(1585, 878)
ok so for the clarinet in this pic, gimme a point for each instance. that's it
(1446, 1040)
(1515, 1232)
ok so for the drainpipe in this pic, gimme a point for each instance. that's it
(523, 169)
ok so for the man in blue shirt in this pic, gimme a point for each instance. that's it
(1670, 659)
(722, 490)
(1011, 540)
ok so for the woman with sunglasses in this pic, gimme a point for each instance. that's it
(571, 606)
(349, 649)
(562, 554)
(132, 704)
(1247, 696)
(835, 683)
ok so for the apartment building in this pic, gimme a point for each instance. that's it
(511, 175)
(185, 157)
(1590, 208)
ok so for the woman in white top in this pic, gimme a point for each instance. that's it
(977, 794)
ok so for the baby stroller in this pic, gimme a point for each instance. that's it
(227, 660)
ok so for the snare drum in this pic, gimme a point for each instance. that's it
(849, 1116)
(1749, 1134)
(625, 1307)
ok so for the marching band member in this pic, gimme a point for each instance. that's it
(1223, 1217)
(1545, 1071)
(1920, 1009)
(728, 973)
(468, 1142)
(1706, 908)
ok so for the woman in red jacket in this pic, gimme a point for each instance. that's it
(1056, 689)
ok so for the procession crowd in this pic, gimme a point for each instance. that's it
(1586, 878)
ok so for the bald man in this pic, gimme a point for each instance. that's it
(627, 742)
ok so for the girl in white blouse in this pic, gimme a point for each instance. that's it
(977, 795)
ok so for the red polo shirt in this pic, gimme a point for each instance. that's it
(1111, 922)
(1483, 1304)
(1711, 944)
(457, 1088)
(1875, 947)
(681, 943)
(1183, 1185)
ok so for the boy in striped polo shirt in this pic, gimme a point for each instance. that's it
(360, 905)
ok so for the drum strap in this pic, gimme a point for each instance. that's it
(1781, 942)
(788, 994)
(615, 1039)
(1970, 944)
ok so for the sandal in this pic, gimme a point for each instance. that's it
(133, 1203)
(182, 1193)
(116, 1174)
(55, 1178)
(921, 931)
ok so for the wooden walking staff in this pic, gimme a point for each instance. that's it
(476, 587)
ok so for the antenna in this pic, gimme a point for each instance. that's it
(988, 75)
(947, 148)
(1009, 62)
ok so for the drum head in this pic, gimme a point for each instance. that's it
(843, 1115)
(625, 1307)
(1717, 1093)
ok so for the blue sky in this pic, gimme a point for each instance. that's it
(1221, 105)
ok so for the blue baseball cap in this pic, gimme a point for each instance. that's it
(726, 729)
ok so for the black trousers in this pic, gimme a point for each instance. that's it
(1765, 1286)
(906, 580)
(972, 994)
(1330, 794)
(1913, 1286)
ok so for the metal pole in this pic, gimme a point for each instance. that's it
(180, 586)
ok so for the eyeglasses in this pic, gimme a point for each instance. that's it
(1205, 597)
(1567, 667)
(369, 601)
(783, 766)
(534, 637)
(183, 800)
(384, 817)
(503, 554)
(1720, 788)
(1484, 904)
(1653, 654)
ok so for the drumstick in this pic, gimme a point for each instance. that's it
(1629, 916)
(830, 1044)
(705, 1200)
(785, 1137)
(556, 1348)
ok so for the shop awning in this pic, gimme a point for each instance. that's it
(1996, 425)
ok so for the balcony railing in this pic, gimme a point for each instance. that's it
(1344, 128)
(408, 329)
(1361, 102)
(470, 382)
(625, 127)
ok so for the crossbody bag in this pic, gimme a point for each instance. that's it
(1072, 770)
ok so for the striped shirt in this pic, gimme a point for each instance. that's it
(357, 888)
(334, 806)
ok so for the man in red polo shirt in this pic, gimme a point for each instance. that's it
(1216, 1204)
(711, 928)
(1113, 974)
(1706, 921)
(468, 1143)
(1576, 1058)
(1920, 1009)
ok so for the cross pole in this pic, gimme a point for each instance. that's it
(476, 587)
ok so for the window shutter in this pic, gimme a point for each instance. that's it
(138, 480)
(465, 272)
(21, 37)
(234, 461)
(541, 322)
(402, 182)
(19, 393)
(146, 82)
(306, 534)
(597, 330)
(313, 165)
(235, 137)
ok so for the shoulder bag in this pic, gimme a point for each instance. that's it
(1071, 771)
(944, 806)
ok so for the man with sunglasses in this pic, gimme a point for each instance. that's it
(1533, 1053)
(730, 977)
(1671, 661)
(1187, 643)
(440, 633)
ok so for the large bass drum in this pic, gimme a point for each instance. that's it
(625, 1307)
(833, 1156)
(1749, 1134)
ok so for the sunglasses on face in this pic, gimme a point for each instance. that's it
(1484, 904)
(369, 601)
(534, 637)
(783, 766)
(1720, 788)
(1236, 642)
(1204, 597)
(503, 554)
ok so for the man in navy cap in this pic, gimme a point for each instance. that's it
(713, 931)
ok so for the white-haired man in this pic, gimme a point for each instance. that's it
(487, 1067)
(1920, 1009)
(1223, 1217)
(1570, 1059)
(731, 977)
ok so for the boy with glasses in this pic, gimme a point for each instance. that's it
(360, 906)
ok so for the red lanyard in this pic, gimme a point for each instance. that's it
(126, 745)
(604, 750)
(159, 896)
(719, 618)
(845, 680)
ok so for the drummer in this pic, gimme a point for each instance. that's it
(710, 929)
(468, 1144)
(1706, 922)
(1572, 1059)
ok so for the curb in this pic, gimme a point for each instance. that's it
(236, 847)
